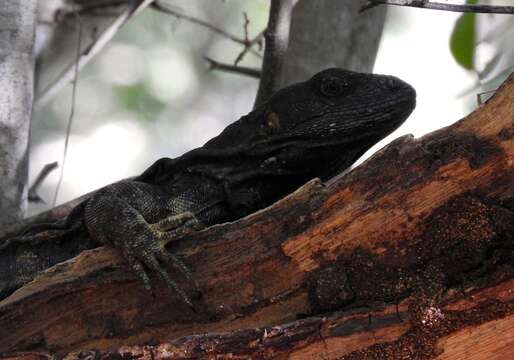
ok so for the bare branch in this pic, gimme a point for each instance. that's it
(246, 42)
(257, 40)
(167, 10)
(33, 196)
(480, 96)
(57, 60)
(96, 7)
(472, 8)
(277, 41)
(245, 26)
(242, 70)
(72, 110)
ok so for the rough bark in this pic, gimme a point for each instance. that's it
(17, 19)
(426, 223)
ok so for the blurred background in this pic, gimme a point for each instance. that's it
(150, 94)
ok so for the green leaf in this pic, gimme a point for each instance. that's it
(462, 40)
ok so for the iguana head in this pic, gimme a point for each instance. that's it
(315, 128)
(334, 104)
(335, 116)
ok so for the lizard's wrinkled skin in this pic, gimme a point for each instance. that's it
(312, 129)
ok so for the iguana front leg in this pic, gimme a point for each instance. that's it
(116, 217)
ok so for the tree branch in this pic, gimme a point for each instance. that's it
(243, 41)
(424, 4)
(277, 41)
(33, 196)
(78, 22)
(56, 63)
(342, 336)
(215, 65)
(257, 40)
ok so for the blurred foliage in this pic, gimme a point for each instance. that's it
(147, 94)
(136, 98)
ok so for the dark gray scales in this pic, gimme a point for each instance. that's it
(312, 129)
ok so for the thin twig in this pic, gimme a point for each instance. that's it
(90, 6)
(257, 40)
(33, 195)
(472, 8)
(99, 9)
(479, 96)
(245, 27)
(100, 3)
(157, 6)
(242, 70)
(72, 110)
(246, 41)
(277, 41)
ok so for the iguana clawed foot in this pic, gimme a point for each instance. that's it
(114, 216)
(150, 252)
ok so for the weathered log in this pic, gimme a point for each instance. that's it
(453, 331)
(427, 223)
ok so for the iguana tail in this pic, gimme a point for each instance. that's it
(58, 230)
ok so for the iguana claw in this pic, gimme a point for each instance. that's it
(142, 243)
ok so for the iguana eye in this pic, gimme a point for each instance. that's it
(332, 86)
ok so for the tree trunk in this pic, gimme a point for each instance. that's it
(17, 24)
(408, 256)
(322, 34)
(332, 33)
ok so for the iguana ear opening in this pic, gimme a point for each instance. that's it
(273, 120)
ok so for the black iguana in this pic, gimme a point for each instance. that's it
(311, 129)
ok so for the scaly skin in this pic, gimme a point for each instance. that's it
(312, 129)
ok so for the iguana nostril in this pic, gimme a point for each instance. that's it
(390, 83)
